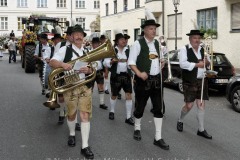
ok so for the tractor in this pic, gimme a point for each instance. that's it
(34, 26)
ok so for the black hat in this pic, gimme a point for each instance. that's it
(102, 37)
(195, 32)
(57, 36)
(44, 36)
(95, 40)
(69, 30)
(118, 36)
(78, 28)
(126, 36)
(149, 22)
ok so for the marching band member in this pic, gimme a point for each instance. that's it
(106, 71)
(120, 78)
(80, 98)
(39, 50)
(144, 62)
(191, 62)
(99, 75)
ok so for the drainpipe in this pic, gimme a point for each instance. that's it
(163, 17)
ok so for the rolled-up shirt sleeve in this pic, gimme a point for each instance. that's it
(60, 55)
(134, 52)
(183, 61)
(47, 53)
(106, 62)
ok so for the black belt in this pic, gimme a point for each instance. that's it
(122, 73)
(153, 77)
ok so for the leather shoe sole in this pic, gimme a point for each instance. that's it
(160, 143)
(204, 134)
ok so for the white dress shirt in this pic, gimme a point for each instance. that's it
(185, 64)
(135, 51)
(121, 66)
(12, 45)
(60, 55)
(45, 49)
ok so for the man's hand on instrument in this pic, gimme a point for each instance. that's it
(86, 70)
(143, 75)
(113, 61)
(162, 61)
(66, 66)
(200, 64)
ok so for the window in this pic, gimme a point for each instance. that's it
(81, 22)
(125, 5)
(80, 3)
(108, 34)
(207, 19)
(41, 3)
(136, 33)
(62, 22)
(137, 3)
(22, 3)
(19, 22)
(115, 6)
(61, 3)
(107, 9)
(3, 3)
(235, 18)
(125, 31)
(171, 26)
(3, 23)
(96, 4)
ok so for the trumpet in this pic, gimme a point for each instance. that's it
(71, 78)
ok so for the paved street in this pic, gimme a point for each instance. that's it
(29, 131)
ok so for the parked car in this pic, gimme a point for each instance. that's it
(220, 64)
(233, 92)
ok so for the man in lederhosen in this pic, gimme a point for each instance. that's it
(191, 59)
(39, 50)
(80, 98)
(120, 78)
(99, 75)
(144, 62)
(106, 71)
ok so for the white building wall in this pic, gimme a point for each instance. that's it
(226, 41)
(12, 12)
(125, 20)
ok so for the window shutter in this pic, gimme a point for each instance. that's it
(235, 16)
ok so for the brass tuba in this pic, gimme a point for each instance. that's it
(70, 79)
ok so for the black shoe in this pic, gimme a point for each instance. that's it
(130, 121)
(106, 91)
(111, 115)
(87, 153)
(61, 120)
(77, 127)
(47, 95)
(180, 126)
(43, 92)
(52, 109)
(204, 134)
(71, 141)
(103, 106)
(137, 135)
(119, 96)
(160, 143)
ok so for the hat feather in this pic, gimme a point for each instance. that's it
(149, 15)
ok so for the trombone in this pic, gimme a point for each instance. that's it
(208, 50)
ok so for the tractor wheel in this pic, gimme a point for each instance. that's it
(29, 59)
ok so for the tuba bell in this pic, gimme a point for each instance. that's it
(52, 101)
(70, 79)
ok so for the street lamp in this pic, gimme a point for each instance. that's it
(176, 3)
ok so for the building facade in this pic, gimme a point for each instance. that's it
(83, 12)
(220, 19)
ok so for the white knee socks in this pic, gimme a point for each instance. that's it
(113, 104)
(129, 108)
(200, 117)
(137, 124)
(85, 130)
(158, 127)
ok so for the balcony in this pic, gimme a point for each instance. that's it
(154, 5)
